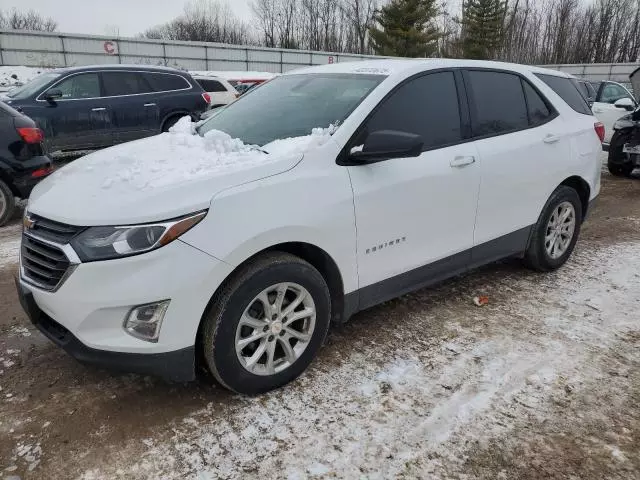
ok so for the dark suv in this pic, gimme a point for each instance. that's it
(23, 162)
(85, 108)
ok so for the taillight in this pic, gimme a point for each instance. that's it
(599, 128)
(41, 172)
(30, 135)
(207, 98)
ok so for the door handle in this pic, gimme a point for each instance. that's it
(149, 104)
(101, 109)
(462, 161)
(551, 138)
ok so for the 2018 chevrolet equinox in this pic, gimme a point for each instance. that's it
(235, 243)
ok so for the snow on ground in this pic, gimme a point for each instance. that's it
(11, 77)
(9, 244)
(415, 405)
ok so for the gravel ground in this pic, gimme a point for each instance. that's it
(542, 382)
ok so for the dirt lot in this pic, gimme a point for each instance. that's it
(544, 382)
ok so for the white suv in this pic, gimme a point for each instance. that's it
(326, 191)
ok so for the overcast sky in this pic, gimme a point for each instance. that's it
(100, 17)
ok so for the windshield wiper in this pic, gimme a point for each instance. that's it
(255, 147)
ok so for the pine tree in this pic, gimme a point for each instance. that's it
(482, 28)
(406, 28)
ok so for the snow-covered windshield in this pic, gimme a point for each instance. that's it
(32, 87)
(292, 106)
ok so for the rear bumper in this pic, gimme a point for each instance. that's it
(178, 365)
(23, 181)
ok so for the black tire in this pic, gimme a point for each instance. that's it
(620, 170)
(228, 305)
(7, 203)
(536, 256)
(171, 121)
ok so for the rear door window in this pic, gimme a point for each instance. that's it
(568, 90)
(497, 102)
(83, 85)
(166, 82)
(427, 106)
(211, 85)
(124, 83)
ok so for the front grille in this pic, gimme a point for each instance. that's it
(54, 231)
(43, 264)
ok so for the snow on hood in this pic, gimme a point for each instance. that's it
(161, 177)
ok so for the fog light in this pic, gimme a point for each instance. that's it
(144, 321)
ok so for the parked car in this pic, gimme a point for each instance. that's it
(624, 150)
(220, 91)
(23, 161)
(243, 88)
(239, 254)
(83, 108)
(587, 90)
(612, 101)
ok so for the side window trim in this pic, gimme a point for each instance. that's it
(99, 73)
(552, 109)
(341, 158)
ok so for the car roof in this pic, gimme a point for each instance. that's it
(91, 68)
(398, 66)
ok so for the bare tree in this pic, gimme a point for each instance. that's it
(30, 20)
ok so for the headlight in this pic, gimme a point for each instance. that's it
(103, 243)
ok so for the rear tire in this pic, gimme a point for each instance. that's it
(558, 226)
(245, 340)
(171, 121)
(620, 170)
(616, 157)
(7, 203)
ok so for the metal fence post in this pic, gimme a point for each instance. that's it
(281, 61)
(1, 62)
(164, 54)
(310, 58)
(206, 58)
(64, 52)
(246, 59)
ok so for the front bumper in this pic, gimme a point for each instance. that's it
(178, 365)
(85, 315)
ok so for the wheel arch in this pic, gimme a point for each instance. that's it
(316, 256)
(173, 114)
(581, 186)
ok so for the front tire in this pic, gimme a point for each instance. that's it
(555, 234)
(266, 324)
(7, 203)
(616, 160)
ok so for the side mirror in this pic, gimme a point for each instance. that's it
(386, 144)
(52, 95)
(625, 103)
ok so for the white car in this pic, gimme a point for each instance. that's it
(220, 91)
(612, 101)
(325, 192)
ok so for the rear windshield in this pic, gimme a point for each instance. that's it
(568, 90)
(33, 87)
(292, 106)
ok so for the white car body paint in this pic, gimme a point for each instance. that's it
(421, 210)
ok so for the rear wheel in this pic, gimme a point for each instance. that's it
(170, 122)
(555, 234)
(267, 324)
(7, 203)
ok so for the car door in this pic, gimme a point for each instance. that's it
(415, 216)
(79, 118)
(522, 143)
(134, 109)
(604, 108)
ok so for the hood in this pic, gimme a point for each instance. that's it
(635, 83)
(159, 178)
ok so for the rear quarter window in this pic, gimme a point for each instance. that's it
(211, 85)
(166, 82)
(568, 90)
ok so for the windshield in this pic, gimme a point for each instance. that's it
(31, 88)
(292, 106)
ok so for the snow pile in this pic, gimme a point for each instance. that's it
(181, 155)
(11, 77)
(9, 245)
